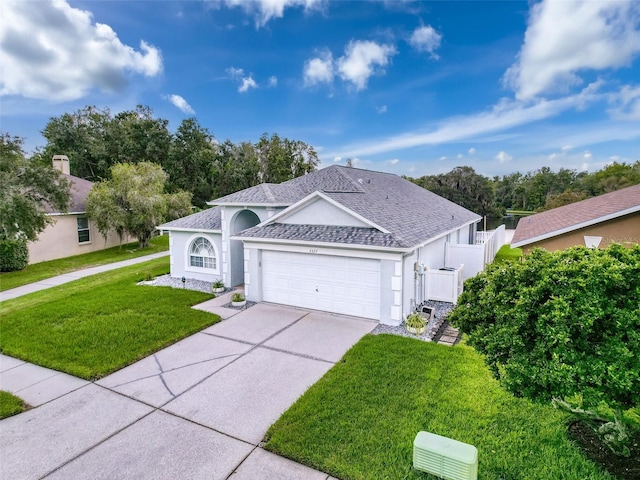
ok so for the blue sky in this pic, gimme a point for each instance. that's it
(413, 88)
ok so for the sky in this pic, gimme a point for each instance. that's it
(413, 88)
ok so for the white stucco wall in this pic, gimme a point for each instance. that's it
(60, 240)
(179, 243)
(321, 212)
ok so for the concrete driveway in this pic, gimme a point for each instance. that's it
(197, 409)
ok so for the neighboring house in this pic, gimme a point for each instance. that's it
(73, 232)
(340, 239)
(594, 222)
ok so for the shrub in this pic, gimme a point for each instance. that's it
(237, 297)
(14, 255)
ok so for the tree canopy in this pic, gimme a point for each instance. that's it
(560, 324)
(26, 188)
(133, 201)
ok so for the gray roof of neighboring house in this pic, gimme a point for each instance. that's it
(410, 213)
(80, 189)
(208, 219)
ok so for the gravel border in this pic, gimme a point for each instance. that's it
(190, 284)
(442, 310)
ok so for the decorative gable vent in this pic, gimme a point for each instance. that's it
(444, 457)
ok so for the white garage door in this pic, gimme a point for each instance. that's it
(346, 285)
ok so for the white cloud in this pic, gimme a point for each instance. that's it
(472, 151)
(337, 159)
(587, 155)
(566, 148)
(570, 36)
(382, 109)
(362, 59)
(247, 84)
(442, 158)
(181, 103)
(273, 81)
(52, 51)
(506, 115)
(626, 103)
(459, 156)
(246, 81)
(584, 167)
(319, 70)
(394, 161)
(614, 158)
(426, 39)
(503, 157)
(265, 10)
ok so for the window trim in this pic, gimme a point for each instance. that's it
(87, 229)
(187, 255)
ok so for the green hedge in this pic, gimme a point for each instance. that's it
(14, 255)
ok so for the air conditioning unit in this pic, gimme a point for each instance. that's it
(444, 457)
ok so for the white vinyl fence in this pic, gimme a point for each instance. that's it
(475, 257)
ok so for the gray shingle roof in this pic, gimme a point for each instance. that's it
(410, 213)
(208, 219)
(79, 190)
(323, 234)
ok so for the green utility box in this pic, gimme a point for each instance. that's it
(444, 457)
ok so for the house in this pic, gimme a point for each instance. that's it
(594, 222)
(340, 239)
(72, 232)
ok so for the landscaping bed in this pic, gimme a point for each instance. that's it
(360, 419)
(99, 324)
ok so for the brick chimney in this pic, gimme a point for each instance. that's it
(61, 162)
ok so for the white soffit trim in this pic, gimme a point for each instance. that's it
(577, 226)
(247, 204)
(299, 205)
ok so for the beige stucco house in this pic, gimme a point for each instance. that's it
(595, 222)
(73, 232)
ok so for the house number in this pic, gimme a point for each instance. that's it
(313, 250)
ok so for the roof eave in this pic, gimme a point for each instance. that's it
(351, 246)
(184, 229)
(577, 226)
(248, 204)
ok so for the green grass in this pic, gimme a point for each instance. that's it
(44, 270)
(99, 324)
(359, 421)
(508, 254)
(10, 405)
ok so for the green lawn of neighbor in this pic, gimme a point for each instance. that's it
(10, 405)
(359, 421)
(44, 270)
(508, 254)
(99, 324)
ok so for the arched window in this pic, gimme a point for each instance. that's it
(202, 254)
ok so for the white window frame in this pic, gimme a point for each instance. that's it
(187, 255)
(78, 230)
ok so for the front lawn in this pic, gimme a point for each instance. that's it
(10, 405)
(99, 324)
(44, 270)
(360, 419)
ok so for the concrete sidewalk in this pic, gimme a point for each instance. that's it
(197, 409)
(71, 276)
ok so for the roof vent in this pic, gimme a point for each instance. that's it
(359, 180)
(61, 163)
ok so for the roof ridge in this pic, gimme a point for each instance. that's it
(350, 180)
(267, 191)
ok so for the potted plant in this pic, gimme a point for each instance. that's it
(415, 324)
(218, 286)
(238, 300)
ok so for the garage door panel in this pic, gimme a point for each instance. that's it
(335, 284)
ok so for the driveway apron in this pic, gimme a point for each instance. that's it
(197, 409)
